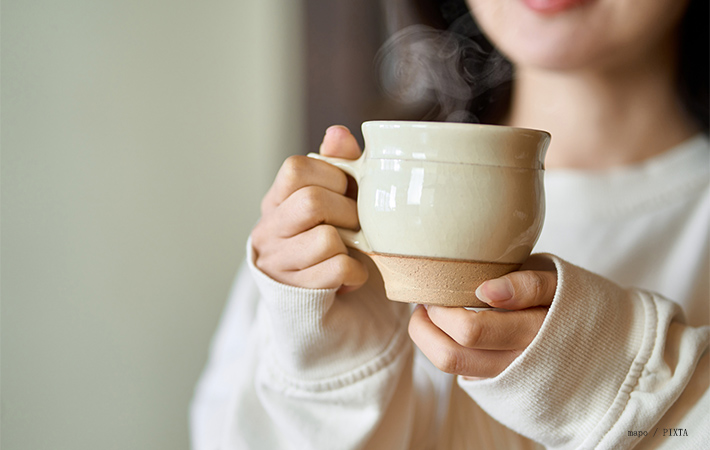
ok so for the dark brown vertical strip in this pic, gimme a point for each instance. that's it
(342, 39)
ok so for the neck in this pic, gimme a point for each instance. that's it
(602, 118)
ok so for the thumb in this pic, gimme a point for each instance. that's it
(519, 290)
(339, 142)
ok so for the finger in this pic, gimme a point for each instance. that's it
(299, 171)
(306, 208)
(302, 250)
(339, 142)
(519, 290)
(340, 270)
(489, 330)
(448, 356)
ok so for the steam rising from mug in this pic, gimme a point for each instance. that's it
(420, 64)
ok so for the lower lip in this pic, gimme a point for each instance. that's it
(553, 6)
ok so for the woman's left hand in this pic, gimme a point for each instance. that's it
(482, 344)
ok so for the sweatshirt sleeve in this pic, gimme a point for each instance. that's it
(607, 365)
(317, 371)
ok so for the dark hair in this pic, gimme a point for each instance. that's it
(489, 74)
(694, 61)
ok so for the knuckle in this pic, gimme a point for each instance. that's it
(257, 238)
(471, 333)
(262, 263)
(293, 169)
(448, 360)
(326, 237)
(534, 285)
(332, 272)
(340, 264)
(347, 271)
(260, 236)
(310, 201)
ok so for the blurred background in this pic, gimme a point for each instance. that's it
(137, 139)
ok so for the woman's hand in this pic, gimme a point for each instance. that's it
(482, 344)
(295, 241)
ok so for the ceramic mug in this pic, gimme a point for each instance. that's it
(446, 206)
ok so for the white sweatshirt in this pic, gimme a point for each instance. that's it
(616, 364)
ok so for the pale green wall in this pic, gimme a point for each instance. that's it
(137, 139)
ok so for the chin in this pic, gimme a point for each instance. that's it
(558, 53)
(556, 58)
(581, 35)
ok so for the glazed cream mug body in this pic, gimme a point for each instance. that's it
(446, 206)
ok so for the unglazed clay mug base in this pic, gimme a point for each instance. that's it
(446, 206)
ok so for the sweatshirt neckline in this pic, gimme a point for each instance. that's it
(657, 180)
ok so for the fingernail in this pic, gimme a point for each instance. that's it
(496, 290)
(333, 129)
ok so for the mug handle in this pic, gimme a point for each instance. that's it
(354, 239)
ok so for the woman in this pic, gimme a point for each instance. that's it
(592, 353)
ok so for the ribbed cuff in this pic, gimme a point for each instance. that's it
(315, 337)
(580, 367)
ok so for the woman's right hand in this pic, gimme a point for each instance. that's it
(295, 241)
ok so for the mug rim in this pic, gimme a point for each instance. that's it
(437, 124)
(456, 142)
